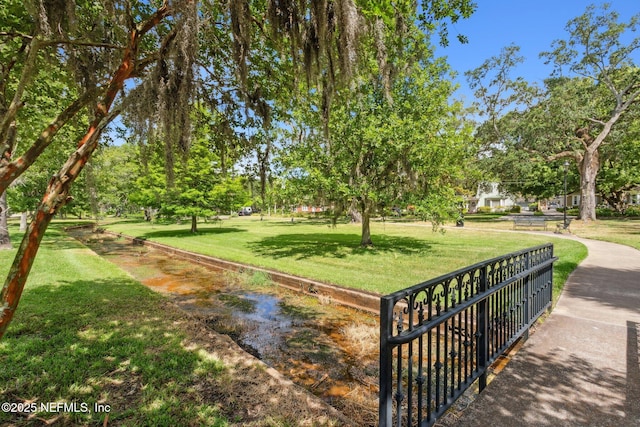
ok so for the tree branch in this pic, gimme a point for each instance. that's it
(54, 42)
(27, 72)
(10, 171)
(563, 155)
(596, 121)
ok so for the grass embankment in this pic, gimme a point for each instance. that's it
(87, 333)
(403, 255)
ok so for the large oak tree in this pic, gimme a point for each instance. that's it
(595, 84)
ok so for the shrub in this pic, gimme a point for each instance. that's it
(515, 209)
(606, 212)
(538, 213)
(632, 211)
(484, 209)
(533, 207)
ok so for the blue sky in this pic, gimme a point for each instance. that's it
(532, 25)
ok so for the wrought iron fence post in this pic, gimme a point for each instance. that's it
(527, 303)
(550, 282)
(483, 329)
(385, 408)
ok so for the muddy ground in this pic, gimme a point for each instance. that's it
(330, 350)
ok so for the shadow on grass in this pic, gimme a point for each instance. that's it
(186, 232)
(320, 222)
(115, 342)
(484, 218)
(79, 341)
(307, 245)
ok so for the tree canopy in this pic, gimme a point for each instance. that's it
(152, 59)
(385, 145)
(596, 84)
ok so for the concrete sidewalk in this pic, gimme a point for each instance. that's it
(582, 365)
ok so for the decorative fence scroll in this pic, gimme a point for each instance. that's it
(438, 337)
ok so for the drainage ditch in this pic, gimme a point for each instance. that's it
(329, 349)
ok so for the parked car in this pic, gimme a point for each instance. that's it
(245, 211)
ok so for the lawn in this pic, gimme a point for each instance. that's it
(86, 333)
(403, 255)
(625, 231)
(616, 230)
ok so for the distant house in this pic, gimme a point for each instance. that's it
(573, 199)
(308, 209)
(489, 195)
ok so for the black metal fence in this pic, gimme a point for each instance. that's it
(438, 337)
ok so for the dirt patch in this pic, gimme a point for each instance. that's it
(330, 350)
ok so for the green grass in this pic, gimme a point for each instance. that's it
(625, 231)
(85, 332)
(403, 255)
(615, 230)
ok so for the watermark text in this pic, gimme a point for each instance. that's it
(54, 407)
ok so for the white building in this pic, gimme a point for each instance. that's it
(488, 195)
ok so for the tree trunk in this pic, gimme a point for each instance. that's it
(617, 200)
(588, 172)
(353, 212)
(194, 224)
(5, 240)
(55, 197)
(90, 183)
(23, 221)
(366, 230)
(263, 163)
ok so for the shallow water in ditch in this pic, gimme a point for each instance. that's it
(329, 349)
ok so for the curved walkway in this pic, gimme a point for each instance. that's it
(582, 365)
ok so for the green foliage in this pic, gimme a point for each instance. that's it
(27, 191)
(387, 143)
(151, 183)
(195, 179)
(114, 170)
(631, 211)
(437, 207)
(229, 195)
(515, 209)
